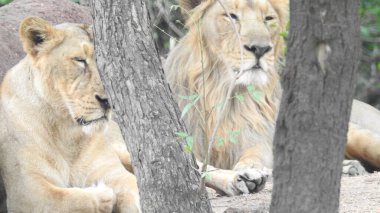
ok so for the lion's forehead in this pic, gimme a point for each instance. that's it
(247, 4)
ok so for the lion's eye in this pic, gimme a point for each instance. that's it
(268, 18)
(233, 16)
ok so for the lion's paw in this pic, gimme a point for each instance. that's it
(353, 168)
(249, 181)
(104, 198)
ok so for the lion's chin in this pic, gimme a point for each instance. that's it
(257, 77)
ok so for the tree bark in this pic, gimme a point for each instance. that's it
(144, 108)
(319, 79)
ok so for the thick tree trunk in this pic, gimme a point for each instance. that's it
(146, 112)
(319, 79)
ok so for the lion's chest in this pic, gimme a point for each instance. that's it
(227, 152)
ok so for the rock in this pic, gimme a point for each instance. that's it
(56, 11)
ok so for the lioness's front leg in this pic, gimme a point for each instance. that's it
(115, 138)
(124, 185)
(46, 196)
(106, 167)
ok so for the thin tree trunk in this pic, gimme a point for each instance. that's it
(319, 79)
(144, 108)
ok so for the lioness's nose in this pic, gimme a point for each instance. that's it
(258, 51)
(103, 102)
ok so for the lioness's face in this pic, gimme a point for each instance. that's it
(67, 75)
(258, 25)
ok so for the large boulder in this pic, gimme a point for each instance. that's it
(56, 11)
(11, 52)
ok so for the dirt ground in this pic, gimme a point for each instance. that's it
(358, 194)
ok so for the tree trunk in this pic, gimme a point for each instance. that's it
(146, 112)
(319, 79)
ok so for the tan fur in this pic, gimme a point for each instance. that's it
(217, 48)
(364, 134)
(204, 62)
(52, 159)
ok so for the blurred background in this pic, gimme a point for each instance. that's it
(169, 27)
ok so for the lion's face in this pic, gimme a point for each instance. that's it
(258, 24)
(67, 77)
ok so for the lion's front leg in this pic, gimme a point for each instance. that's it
(250, 173)
(230, 182)
(363, 145)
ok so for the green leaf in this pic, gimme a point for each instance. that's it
(255, 94)
(364, 31)
(188, 149)
(251, 88)
(190, 98)
(4, 2)
(240, 98)
(190, 143)
(186, 109)
(206, 175)
(284, 34)
(220, 141)
(232, 136)
(181, 135)
(219, 106)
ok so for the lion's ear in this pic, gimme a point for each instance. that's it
(34, 33)
(188, 5)
(282, 8)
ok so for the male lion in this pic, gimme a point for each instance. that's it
(53, 138)
(207, 59)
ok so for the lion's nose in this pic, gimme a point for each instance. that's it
(258, 51)
(103, 102)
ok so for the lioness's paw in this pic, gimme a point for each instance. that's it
(249, 181)
(353, 168)
(130, 204)
(103, 198)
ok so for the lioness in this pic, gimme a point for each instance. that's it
(207, 59)
(54, 150)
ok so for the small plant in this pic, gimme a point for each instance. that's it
(4, 2)
(189, 140)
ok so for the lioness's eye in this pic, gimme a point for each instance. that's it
(233, 16)
(268, 18)
(81, 60)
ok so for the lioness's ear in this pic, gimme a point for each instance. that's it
(34, 33)
(89, 30)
